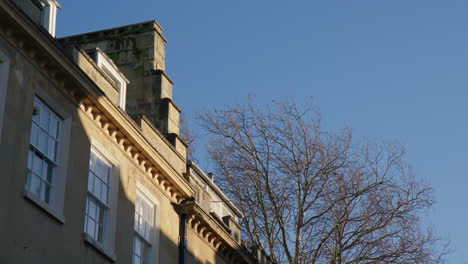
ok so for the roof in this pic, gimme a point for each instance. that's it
(215, 188)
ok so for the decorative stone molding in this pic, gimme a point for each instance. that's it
(134, 152)
(43, 51)
(55, 73)
(214, 234)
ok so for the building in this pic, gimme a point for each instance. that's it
(93, 167)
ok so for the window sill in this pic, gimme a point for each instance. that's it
(98, 246)
(45, 207)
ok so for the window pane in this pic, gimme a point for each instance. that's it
(54, 127)
(136, 259)
(46, 191)
(95, 219)
(52, 149)
(91, 209)
(144, 212)
(135, 222)
(97, 188)
(144, 209)
(90, 182)
(104, 172)
(101, 221)
(44, 170)
(36, 110)
(30, 159)
(86, 220)
(99, 214)
(92, 162)
(48, 176)
(45, 117)
(91, 227)
(41, 190)
(100, 233)
(141, 226)
(37, 164)
(141, 250)
(87, 208)
(137, 245)
(98, 167)
(42, 144)
(35, 184)
(104, 193)
(146, 230)
(137, 205)
(44, 137)
(34, 134)
(96, 164)
(98, 176)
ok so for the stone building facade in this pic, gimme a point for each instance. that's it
(93, 167)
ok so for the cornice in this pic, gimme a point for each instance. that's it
(149, 161)
(37, 45)
(214, 187)
(151, 25)
(214, 234)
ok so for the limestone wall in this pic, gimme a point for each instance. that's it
(30, 233)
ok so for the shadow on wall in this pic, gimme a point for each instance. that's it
(140, 204)
(89, 216)
(32, 234)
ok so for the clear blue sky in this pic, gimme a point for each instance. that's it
(394, 69)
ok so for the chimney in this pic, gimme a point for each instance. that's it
(211, 176)
(139, 52)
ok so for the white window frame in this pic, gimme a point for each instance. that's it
(147, 195)
(95, 197)
(113, 72)
(56, 203)
(49, 15)
(42, 153)
(107, 245)
(4, 72)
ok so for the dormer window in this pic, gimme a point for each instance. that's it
(42, 12)
(49, 15)
(115, 76)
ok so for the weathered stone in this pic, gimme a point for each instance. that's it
(139, 52)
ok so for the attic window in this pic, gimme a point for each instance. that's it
(117, 78)
(49, 15)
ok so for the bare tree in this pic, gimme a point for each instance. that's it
(311, 196)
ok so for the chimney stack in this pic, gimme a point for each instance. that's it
(139, 52)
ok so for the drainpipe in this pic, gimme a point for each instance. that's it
(183, 239)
